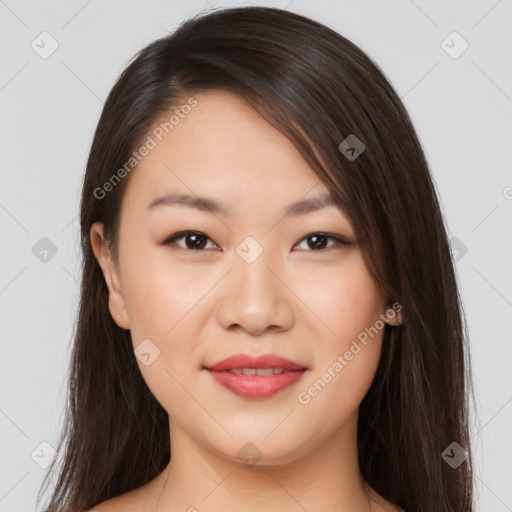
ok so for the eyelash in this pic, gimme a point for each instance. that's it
(182, 234)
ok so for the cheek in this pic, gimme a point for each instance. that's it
(344, 299)
(158, 296)
(162, 303)
(345, 363)
(334, 393)
(345, 360)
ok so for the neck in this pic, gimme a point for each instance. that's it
(326, 477)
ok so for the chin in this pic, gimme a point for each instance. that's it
(261, 449)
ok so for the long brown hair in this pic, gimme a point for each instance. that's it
(317, 88)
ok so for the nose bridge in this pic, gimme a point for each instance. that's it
(255, 282)
(253, 259)
(255, 276)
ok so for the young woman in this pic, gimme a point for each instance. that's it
(269, 314)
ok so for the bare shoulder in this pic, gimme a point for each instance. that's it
(130, 502)
(388, 507)
(141, 499)
(383, 505)
(127, 502)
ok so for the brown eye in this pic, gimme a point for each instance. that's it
(319, 241)
(193, 240)
(196, 241)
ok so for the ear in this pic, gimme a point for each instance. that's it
(116, 302)
(394, 314)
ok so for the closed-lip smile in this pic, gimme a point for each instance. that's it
(256, 377)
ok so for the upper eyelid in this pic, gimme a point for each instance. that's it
(338, 238)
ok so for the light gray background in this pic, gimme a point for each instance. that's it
(461, 107)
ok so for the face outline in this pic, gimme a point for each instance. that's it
(200, 306)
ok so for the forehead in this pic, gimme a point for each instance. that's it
(222, 148)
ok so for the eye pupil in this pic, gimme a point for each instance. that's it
(198, 243)
(319, 241)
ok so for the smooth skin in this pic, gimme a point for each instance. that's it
(304, 301)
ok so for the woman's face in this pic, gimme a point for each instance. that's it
(249, 280)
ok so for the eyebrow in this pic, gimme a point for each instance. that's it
(301, 207)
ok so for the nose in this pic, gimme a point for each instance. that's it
(255, 298)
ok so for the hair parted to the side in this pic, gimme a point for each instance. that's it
(317, 88)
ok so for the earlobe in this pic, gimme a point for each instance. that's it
(116, 302)
(394, 315)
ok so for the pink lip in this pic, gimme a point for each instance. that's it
(256, 386)
(263, 361)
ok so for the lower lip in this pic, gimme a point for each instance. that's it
(256, 386)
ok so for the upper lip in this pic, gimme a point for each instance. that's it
(262, 361)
